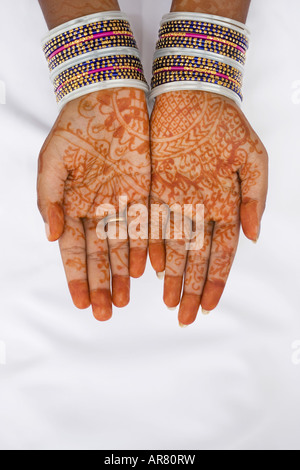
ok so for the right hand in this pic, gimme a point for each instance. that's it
(204, 151)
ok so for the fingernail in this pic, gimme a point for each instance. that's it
(205, 312)
(47, 229)
(172, 308)
(182, 325)
(161, 275)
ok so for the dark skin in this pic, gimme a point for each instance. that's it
(234, 9)
(97, 151)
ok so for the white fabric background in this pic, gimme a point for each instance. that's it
(140, 382)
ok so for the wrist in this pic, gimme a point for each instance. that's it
(234, 9)
(58, 12)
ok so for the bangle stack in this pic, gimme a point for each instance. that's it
(200, 52)
(92, 53)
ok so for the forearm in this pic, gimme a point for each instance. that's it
(57, 12)
(234, 9)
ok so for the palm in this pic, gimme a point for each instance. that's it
(205, 152)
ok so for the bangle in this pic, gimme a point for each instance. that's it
(197, 42)
(81, 40)
(200, 52)
(92, 53)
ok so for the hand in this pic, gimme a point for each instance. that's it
(97, 151)
(205, 152)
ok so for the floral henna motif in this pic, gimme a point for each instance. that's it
(205, 152)
(96, 153)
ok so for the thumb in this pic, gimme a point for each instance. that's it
(50, 188)
(254, 187)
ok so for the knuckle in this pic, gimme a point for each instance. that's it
(97, 256)
(70, 251)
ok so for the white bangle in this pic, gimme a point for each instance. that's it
(93, 53)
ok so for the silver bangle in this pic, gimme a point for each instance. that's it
(180, 51)
(195, 86)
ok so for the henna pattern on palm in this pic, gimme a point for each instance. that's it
(205, 152)
(97, 152)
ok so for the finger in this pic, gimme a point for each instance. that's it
(223, 250)
(159, 214)
(195, 277)
(138, 238)
(254, 187)
(176, 256)
(119, 263)
(73, 253)
(98, 272)
(50, 186)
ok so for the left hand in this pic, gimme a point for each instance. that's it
(97, 152)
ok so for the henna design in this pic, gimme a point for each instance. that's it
(105, 150)
(196, 161)
(59, 12)
(235, 9)
(204, 152)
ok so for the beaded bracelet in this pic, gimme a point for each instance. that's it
(198, 43)
(200, 52)
(93, 53)
(98, 35)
